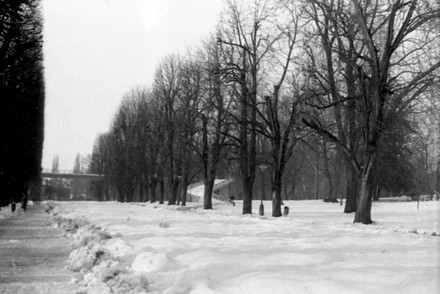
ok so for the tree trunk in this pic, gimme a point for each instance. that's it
(207, 195)
(248, 111)
(276, 205)
(153, 185)
(130, 190)
(142, 193)
(263, 192)
(174, 187)
(352, 189)
(121, 195)
(276, 200)
(437, 186)
(335, 187)
(107, 191)
(363, 210)
(332, 197)
(161, 191)
(184, 190)
(316, 185)
(247, 199)
(147, 189)
(376, 193)
(331, 191)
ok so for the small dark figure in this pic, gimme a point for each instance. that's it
(231, 200)
(24, 201)
(261, 210)
(13, 205)
(286, 210)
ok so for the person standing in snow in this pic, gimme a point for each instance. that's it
(13, 205)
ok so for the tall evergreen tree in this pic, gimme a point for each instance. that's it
(22, 98)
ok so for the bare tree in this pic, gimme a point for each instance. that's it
(280, 115)
(151, 135)
(190, 96)
(247, 38)
(392, 64)
(166, 89)
(213, 133)
(124, 168)
(334, 86)
(101, 164)
(403, 21)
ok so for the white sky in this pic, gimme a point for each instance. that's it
(96, 50)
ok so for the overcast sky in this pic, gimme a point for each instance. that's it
(96, 50)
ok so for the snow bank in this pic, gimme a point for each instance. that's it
(96, 255)
(5, 213)
(315, 249)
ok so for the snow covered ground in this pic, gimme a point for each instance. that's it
(153, 248)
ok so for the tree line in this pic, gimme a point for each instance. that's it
(337, 92)
(21, 99)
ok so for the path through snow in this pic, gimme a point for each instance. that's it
(32, 255)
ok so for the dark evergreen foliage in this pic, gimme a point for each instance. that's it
(21, 99)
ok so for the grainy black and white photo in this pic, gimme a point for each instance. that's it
(220, 146)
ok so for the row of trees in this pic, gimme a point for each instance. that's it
(21, 99)
(343, 80)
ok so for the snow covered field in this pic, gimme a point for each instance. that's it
(315, 249)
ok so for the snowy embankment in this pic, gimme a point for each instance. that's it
(151, 248)
(5, 213)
